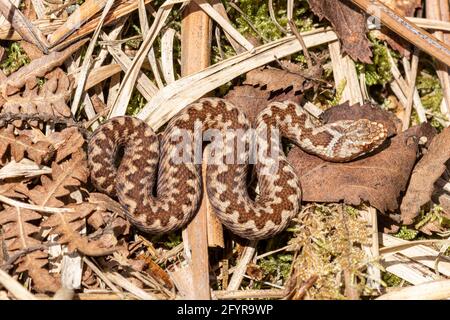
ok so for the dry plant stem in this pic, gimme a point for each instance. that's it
(102, 276)
(167, 55)
(412, 88)
(247, 19)
(23, 26)
(174, 97)
(195, 56)
(431, 24)
(433, 11)
(400, 88)
(407, 30)
(344, 70)
(433, 290)
(373, 272)
(130, 77)
(76, 19)
(87, 61)
(14, 287)
(226, 26)
(417, 251)
(300, 39)
(274, 19)
(121, 8)
(249, 294)
(407, 269)
(239, 272)
(19, 204)
(143, 20)
(61, 7)
(130, 287)
(144, 84)
(3, 20)
(220, 8)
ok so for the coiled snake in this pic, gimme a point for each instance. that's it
(172, 163)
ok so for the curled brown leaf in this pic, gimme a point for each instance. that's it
(426, 172)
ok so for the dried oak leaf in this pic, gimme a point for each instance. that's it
(48, 100)
(349, 23)
(378, 178)
(68, 225)
(253, 100)
(64, 179)
(426, 172)
(20, 235)
(275, 79)
(21, 145)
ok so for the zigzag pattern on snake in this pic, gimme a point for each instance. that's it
(160, 193)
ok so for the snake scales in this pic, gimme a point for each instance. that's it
(175, 198)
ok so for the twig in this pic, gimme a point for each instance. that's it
(15, 287)
(302, 43)
(24, 205)
(412, 88)
(408, 30)
(241, 268)
(249, 294)
(196, 56)
(432, 290)
(10, 262)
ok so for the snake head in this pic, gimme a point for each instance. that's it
(357, 138)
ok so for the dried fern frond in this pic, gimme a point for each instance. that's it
(20, 234)
(68, 227)
(64, 179)
(50, 99)
(21, 145)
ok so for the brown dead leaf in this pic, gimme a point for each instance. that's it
(349, 23)
(31, 50)
(275, 79)
(377, 178)
(253, 100)
(426, 172)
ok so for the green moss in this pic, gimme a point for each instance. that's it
(379, 72)
(433, 215)
(431, 95)
(16, 58)
(257, 11)
(339, 91)
(406, 234)
(137, 102)
(391, 280)
(276, 266)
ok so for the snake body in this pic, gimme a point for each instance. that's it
(159, 183)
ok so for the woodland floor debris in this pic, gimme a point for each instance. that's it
(52, 217)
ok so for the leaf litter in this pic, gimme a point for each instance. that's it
(51, 203)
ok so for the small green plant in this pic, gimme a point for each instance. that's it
(15, 59)
(379, 72)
